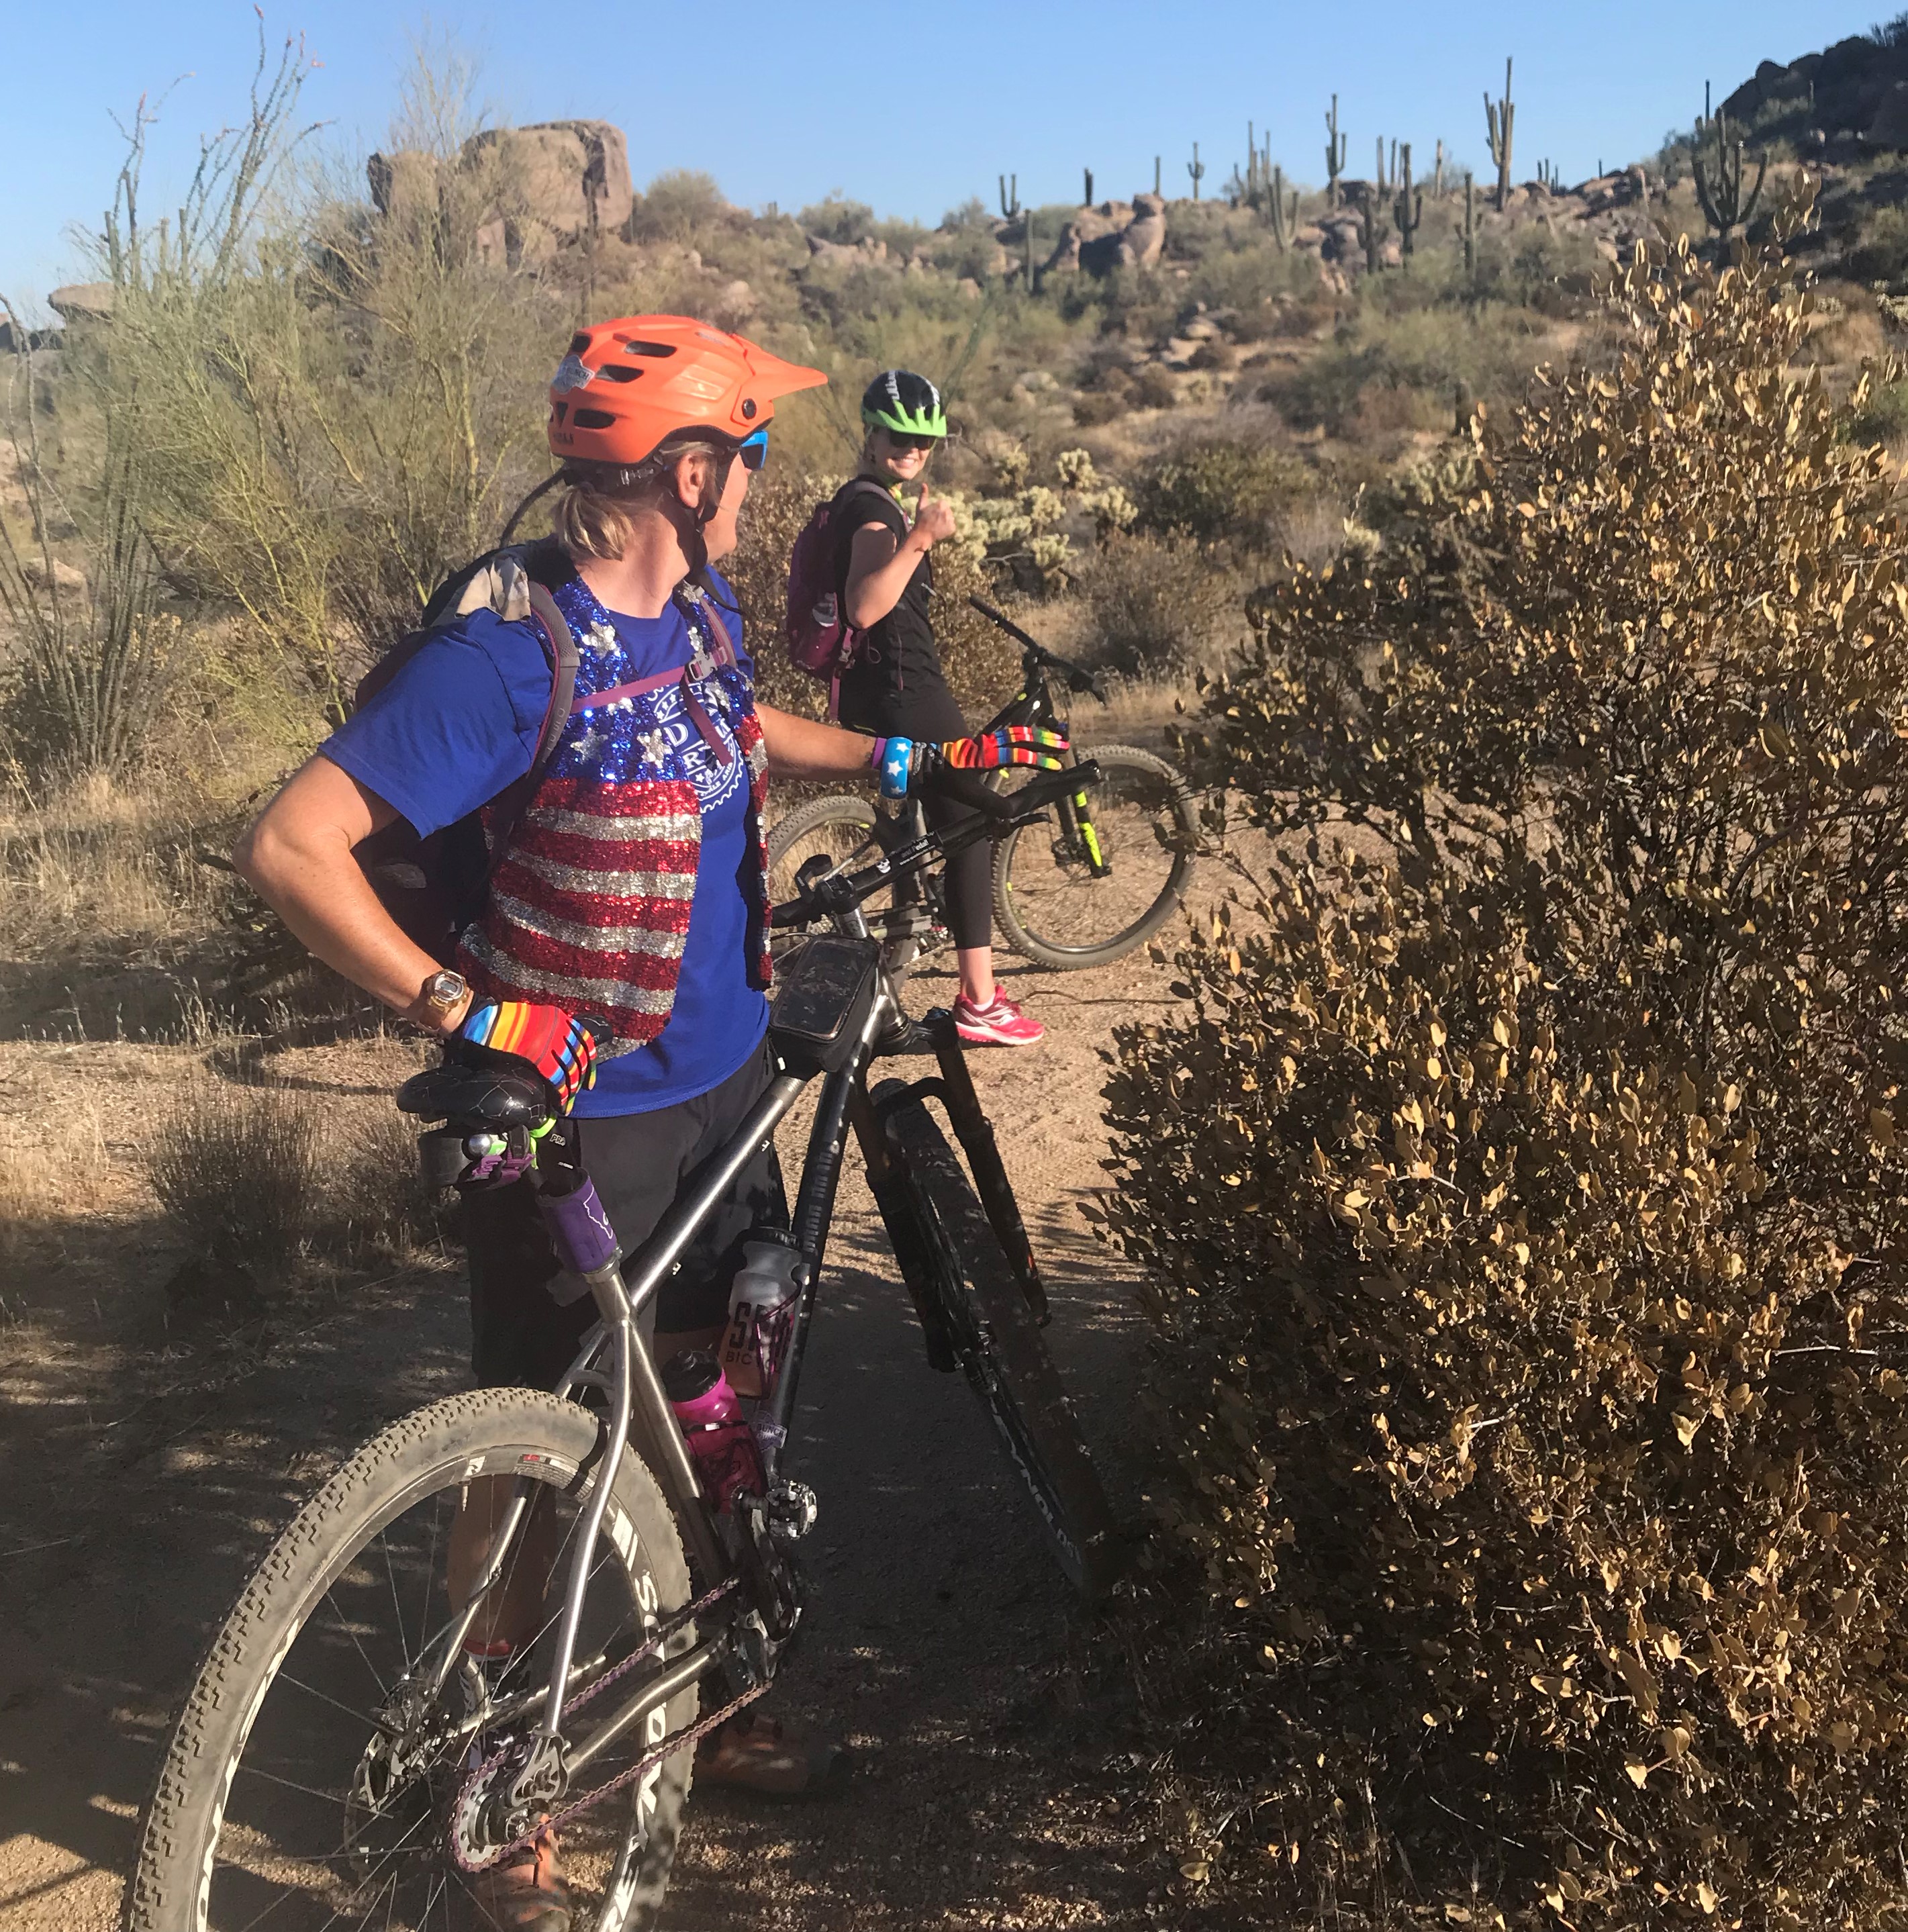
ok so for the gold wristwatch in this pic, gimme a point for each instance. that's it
(442, 994)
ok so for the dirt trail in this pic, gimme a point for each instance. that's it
(139, 1480)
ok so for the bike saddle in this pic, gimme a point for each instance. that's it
(480, 1096)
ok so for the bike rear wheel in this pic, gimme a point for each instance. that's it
(985, 1315)
(306, 1786)
(1055, 905)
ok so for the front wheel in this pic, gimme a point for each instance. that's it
(1095, 876)
(317, 1779)
(982, 1312)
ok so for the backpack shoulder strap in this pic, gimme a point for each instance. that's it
(700, 606)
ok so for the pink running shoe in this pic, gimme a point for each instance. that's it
(1001, 1024)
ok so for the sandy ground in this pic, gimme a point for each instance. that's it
(145, 1463)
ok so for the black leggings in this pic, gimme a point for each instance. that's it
(927, 711)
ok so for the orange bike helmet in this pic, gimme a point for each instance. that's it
(628, 385)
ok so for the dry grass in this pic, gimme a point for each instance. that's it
(376, 1202)
(102, 862)
(236, 1170)
(54, 1168)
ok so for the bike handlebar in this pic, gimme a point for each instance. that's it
(995, 812)
(1079, 678)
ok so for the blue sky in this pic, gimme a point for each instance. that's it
(911, 108)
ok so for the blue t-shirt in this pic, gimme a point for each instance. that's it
(460, 722)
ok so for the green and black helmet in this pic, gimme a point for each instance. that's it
(908, 404)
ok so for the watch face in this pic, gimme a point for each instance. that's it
(445, 990)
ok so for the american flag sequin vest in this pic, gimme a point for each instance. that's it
(588, 906)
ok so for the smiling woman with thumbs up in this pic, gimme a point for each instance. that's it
(896, 687)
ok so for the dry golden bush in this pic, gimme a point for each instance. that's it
(1526, 1212)
(236, 1169)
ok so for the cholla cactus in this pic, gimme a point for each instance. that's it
(1112, 511)
(1075, 469)
(1050, 553)
(1041, 507)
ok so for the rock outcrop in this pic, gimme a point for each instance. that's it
(1114, 234)
(1845, 90)
(83, 301)
(556, 181)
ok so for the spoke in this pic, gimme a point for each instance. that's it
(289, 1783)
(325, 1697)
(336, 1617)
(397, 1609)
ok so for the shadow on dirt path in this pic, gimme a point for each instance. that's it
(990, 1722)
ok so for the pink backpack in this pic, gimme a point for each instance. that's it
(821, 641)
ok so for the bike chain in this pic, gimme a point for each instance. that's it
(668, 1748)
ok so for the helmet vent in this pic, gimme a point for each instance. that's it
(657, 349)
(578, 343)
(593, 419)
(558, 411)
(619, 372)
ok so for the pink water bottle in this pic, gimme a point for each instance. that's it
(712, 1422)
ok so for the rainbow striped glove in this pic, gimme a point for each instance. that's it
(910, 765)
(562, 1050)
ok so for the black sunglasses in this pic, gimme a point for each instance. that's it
(908, 439)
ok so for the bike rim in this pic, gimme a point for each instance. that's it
(1052, 890)
(336, 1815)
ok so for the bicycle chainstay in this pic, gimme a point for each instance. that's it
(667, 1748)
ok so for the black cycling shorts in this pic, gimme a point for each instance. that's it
(520, 1337)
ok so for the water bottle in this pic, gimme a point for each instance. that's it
(712, 1422)
(762, 1313)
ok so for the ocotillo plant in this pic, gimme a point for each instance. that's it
(1334, 154)
(1405, 212)
(1719, 179)
(1009, 196)
(1470, 230)
(1498, 117)
(1196, 168)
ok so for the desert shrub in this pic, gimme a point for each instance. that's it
(1154, 388)
(378, 1200)
(835, 218)
(1220, 491)
(236, 1170)
(980, 663)
(1524, 1201)
(1882, 254)
(1158, 605)
(680, 205)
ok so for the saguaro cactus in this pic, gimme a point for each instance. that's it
(1196, 168)
(1284, 224)
(1498, 117)
(1155, 174)
(1009, 196)
(1438, 175)
(1373, 224)
(1719, 177)
(1086, 199)
(1470, 228)
(1334, 154)
(1405, 212)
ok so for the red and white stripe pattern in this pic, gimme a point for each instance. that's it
(589, 908)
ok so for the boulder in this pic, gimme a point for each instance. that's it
(862, 254)
(405, 183)
(62, 577)
(17, 341)
(1889, 127)
(83, 301)
(1143, 239)
(572, 177)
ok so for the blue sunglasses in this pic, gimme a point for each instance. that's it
(753, 449)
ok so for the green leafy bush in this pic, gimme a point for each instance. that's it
(1524, 1200)
(1221, 491)
(1159, 606)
